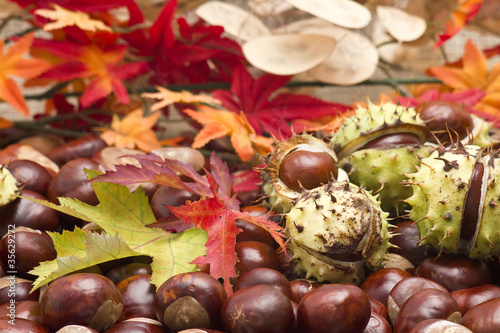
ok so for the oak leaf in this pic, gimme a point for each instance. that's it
(65, 18)
(268, 111)
(14, 63)
(134, 130)
(219, 123)
(127, 215)
(213, 216)
(168, 97)
(464, 11)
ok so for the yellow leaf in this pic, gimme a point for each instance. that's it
(219, 123)
(168, 97)
(134, 130)
(65, 18)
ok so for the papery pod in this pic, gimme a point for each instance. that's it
(382, 171)
(343, 223)
(279, 193)
(455, 200)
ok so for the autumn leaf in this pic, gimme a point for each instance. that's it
(168, 97)
(127, 215)
(134, 130)
(87, 6)
(65, 18)
(213, 216)
(464, 11)
(14, 63)
(473, 73)
(268, 111)
(219, 123)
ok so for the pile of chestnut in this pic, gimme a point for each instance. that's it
(417, 291)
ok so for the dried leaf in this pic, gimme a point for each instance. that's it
(235, 20)
(168, 97)
(464, 11)
(401, 25)
(134, 130)
(288, 54)
(66, 18)
(345, 13)
(13, 63)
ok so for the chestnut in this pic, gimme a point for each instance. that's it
(190, 300)
(22, 249)
(23, 212)
(85, 146)
(253, 232)
(406, 288)
(484, 317)
(254, 254)
(300, 287)
(307, 169)
(13, 288)
(467, 298)
(71, 182)
(258, 309)
(377, 324)
(28, 309)
(138, 297)
(138, 325)
(426, 304)
(455, 271)
(448, 121)
(21, 326)
(76, 329)
(406, 240)
(169, 196)
(264, 275)
(439, 326)
(123, 272)
(31, 175)
(393, 140)
(84, 299)
(24, 152)
(380, 283)
(334, 308)
(43, 142)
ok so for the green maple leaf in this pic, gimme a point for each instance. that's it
(127, 215)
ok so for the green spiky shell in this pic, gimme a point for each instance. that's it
(481, 132)
(440, 188)
(340, 220)
(382, 171)
(375, 121)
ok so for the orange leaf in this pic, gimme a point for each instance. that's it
(168, 97)
(461, 15)
(65, 18)
(13, 64)
(4, 123)
(134, 130)
(219, 123)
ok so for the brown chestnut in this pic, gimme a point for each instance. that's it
(138, 297)
(28, 309)
(484, 317)
(85, 299)
(31, 175)
(406, 240)
(190, 300)
(138, 325)
(76, 329)
(377, 324)
(455, 272)
(307, 169)
(85, 146)
(264, 275)
(334, 308)
(169, 196)
(22, 249)
(439, 326)
(254, 254)
(123, 272)
(16, 289)
(258, 309)
(20, 325)
(426, 304)
(380, 283)
(467, 298)
(300, 287)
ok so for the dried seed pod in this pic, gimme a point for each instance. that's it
(335, 230)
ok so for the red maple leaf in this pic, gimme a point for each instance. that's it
(188, 58)
(464, 11)
(272, 113)
(218, 220)
(102, 64)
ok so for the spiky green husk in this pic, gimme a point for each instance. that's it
(440, 188)
(481, 132)
(342, 221)
(382, 171)
(374, 121)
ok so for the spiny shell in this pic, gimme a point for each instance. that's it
(373, 122)
(278, 196)
(381, 171)
(440, 189)
(340, 221)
